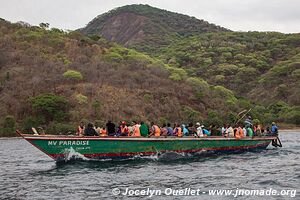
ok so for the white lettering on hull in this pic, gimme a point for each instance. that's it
(68, 143)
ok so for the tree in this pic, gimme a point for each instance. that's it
(9, 126)
(50, 107)
(44, 25)
(73, 75)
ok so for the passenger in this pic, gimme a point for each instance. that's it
(192, 129)
(136, 130)
(199, 130)
(178, 131)
(185, 130)
(170, 130)
(268, 131)
(250, 132)
(103, 132)
(245, 131)
(235, 132)
(223, 130)
(254, 130)
(90, 131)
(111, 128)
(155, 130)
(164, 130)
(274, 129)
(230, 132)
(124, 129)
(213, 130)
(80, 129)
(144, 130)
(205, 131)
(241, 131)
(248, 122)
(258, 130)
(98, 130)
(130, 129)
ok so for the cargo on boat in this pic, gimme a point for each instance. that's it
(95, 147)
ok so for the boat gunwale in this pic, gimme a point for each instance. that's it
(129, 138)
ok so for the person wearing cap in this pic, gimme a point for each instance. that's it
(199, 130)
(274, 129)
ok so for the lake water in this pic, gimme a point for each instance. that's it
(26, 173)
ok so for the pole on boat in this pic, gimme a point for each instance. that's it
(242, 116)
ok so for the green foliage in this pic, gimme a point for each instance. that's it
(256, 121)
(30, 122)
(213, 118)
(9, 127)
(73, 75)
(50, 107)
(114, 56)
(177, 74)
(148, 98)
(61, 128)
(81, 99)
(191, 115)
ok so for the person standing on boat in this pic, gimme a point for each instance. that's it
(274, 129)
(80, 129)
(248, 122)
(144, 130)
(111, 128)
(199, 130)
(90, 131)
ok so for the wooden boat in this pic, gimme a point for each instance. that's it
(59, 147)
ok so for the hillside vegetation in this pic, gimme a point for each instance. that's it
(260, 67)
(55, 79)
(133, 24)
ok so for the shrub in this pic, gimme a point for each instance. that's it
(49, 107)
(28, 123)
(73, 75)
(81, 99)
(114, 56)
(60, 128)
(9, 127)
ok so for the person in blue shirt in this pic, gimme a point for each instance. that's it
(274, 129)
(185, 130)
(170, 130)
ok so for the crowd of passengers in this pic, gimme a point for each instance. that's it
(135, 129)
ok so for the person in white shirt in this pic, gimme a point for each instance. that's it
(245, 131)
(199, 130)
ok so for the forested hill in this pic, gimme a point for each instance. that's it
(262, 67)
(55, 79)
(132, 24)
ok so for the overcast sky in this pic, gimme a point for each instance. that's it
(237, 15)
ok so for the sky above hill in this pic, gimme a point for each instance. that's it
(237, 15)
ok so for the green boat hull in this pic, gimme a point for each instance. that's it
(62, 147)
